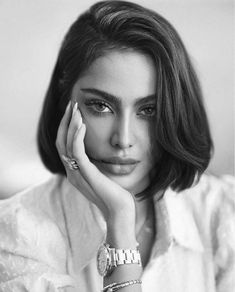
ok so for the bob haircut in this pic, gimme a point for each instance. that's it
(181, 127)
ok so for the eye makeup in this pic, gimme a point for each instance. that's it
(100, 105)
(97, 106)
(147, 111)
(117, 101)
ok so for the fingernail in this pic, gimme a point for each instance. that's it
(68, 106)
(75, 107)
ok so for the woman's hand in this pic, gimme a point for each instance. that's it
(108, 196)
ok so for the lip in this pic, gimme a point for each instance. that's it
(119, 160)
(117, 165)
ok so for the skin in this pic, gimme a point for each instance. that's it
(123, 129)
(93, 131)
(97, 129)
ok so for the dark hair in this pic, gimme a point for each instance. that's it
(182, 130)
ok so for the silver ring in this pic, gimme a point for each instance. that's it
(71, 162)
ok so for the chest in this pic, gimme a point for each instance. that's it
(146, 239)
(145, 248)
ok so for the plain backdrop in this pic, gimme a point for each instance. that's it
(30, 36)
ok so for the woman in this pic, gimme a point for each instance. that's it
(124, 130)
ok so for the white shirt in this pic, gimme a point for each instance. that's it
(50, 234)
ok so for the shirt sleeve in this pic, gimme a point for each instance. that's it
(32, 252)
(224, 235)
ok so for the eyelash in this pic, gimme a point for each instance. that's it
(92, 103)
(152, 107)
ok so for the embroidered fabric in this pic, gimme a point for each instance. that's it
(49, 236)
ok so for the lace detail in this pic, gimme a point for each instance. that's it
(224, 237)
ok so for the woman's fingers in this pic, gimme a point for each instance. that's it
(75, 124)
(88, 179)
(78, 148)
(62, 131)
(70, 142)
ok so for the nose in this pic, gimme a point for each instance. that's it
(123, 135)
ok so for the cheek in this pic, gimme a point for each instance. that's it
(149, 142)
(145, 136)
(97, 135)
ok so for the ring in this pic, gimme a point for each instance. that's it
(71, 162)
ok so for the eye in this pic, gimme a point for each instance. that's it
(99, 106)
(148, 111)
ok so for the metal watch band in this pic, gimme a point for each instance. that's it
(125, 256)
(108, 258)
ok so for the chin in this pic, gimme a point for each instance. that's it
(134, 186)
(135, 181)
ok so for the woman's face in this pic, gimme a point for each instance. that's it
(116, 98)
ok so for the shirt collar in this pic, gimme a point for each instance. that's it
(87, 228)
(175, 222)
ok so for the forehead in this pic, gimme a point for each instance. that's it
(126, 74)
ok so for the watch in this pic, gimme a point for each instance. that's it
(108, 258)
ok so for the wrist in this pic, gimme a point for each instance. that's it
(109, 258)
(121, 233)
(122, 216)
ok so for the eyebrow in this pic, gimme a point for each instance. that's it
(114, 99)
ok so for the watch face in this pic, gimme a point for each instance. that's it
(102, 260)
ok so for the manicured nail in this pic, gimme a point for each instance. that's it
(75, 107)
(68, 106)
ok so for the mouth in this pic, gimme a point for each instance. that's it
(116, 165)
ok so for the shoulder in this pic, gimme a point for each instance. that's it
(201, 219)
(29, 201)
(206, 211)
(212, 201)
(217, 206)
(26, 227)
(33, 251)
(36, 226)
(212, 196)
(43, 221)
(212, 204)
